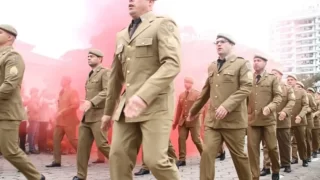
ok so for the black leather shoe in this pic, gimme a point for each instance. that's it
(275, 177)
(287, 169)
(265, 172)
(223, 156)
(142, 172)
(309, 159)
(181, 163)
(76, 178)
(294, 161)
(98, 161)
(314, 155)
(54, 164)
(42, 177)
(305, 163)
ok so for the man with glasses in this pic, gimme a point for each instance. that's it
(228, 85)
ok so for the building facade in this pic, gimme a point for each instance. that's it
(295, 42)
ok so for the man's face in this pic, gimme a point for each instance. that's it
(223, 46)
(259, 64)
(276, 73)
(93, 60)
(188, 84)
(65, 81)
(4, 37)
(139, 7)
(291, 81)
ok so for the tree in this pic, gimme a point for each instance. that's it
(309, 80)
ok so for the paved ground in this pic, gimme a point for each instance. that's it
(225, 170)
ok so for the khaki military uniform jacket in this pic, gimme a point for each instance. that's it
(228, 87)
(286, 105)
(11, 75)
(312, 108)
(265, 93)
(68, 104)
(300, 108)
(96, 93)
(317, 116)
(185, 102)
(147, 64)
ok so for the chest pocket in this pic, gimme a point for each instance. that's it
(265, 87)
(228, 76)
(144, 47)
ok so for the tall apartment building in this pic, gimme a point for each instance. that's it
(295, 42)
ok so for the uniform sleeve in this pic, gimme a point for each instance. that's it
(305, 105)
(291, 102)
(202, 99)
(115, 83)
(101, 96)
(178, 112)
(313, 104)
(276, 92)
(13, 75)
(245, 81)
(169, 48)
(316, 114)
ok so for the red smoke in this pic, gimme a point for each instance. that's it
(106, 19)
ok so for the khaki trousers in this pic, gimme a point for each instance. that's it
(9, 138)
(183, 136)
(154, 136)
(235, 141)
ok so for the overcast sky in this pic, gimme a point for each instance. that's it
(53, 26)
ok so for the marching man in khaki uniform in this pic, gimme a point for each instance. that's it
(145, 170)
(12, 111)
(316, 129)
(283, 127)
(263, 102)
(299, 121)
(66, 120)
(146, 60)
(185, 101)
(228, 85)
(310, 120)
(93, 107)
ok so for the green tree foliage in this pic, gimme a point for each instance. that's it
(309, 80)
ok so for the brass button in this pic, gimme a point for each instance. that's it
(128, 84)
(128, 71)
(128, 59)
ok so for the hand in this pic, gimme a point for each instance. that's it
(105, 122)
(298, 120)
(86, 105)
(191, 118)
(221, 113)
(174, 126)
(59, 114)
(282, 116)
(134, 107)
(266, 111)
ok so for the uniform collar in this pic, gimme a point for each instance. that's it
(5, 48)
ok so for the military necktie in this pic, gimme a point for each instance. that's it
(220, 63)
(258, 78)
(134, 26)
(91, 72)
